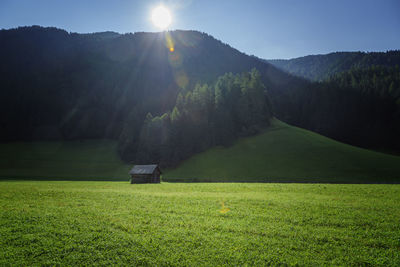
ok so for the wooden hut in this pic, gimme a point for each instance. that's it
(141, 174)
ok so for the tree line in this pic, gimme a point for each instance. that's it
(322, 67)
(206, 116)
(360, 107)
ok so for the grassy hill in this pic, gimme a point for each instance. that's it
(282, 153)
(289, 154)
(74, 160)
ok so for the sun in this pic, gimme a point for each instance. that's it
(161, 17)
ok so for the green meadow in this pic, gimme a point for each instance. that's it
(285, 153)
(207, 224)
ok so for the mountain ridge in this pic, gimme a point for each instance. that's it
(68, 86)
(322, 66)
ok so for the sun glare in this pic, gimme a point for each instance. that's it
(161, 17)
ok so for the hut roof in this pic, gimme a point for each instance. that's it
(143, 169)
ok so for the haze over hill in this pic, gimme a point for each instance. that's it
(66, 86)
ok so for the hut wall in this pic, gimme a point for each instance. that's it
(156, 177)
(141, 179)
(146, 178)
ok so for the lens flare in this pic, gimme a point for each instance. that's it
(224, 209)
(181, 79)
(169, 42)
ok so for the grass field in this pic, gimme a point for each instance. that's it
(73, 160)
(286, 153)
(104, 223)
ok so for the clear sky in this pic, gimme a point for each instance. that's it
(265, 28)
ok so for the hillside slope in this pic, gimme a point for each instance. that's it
(367, 84)
(285, 153)
(60, 86)
(66, 86)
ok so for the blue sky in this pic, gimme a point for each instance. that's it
(267, 29)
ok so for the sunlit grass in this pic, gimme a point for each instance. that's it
(104, 223)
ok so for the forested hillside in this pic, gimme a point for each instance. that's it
(357, 100)
(57, 85)
(322, 67)
(207, 116)
(165, 96)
